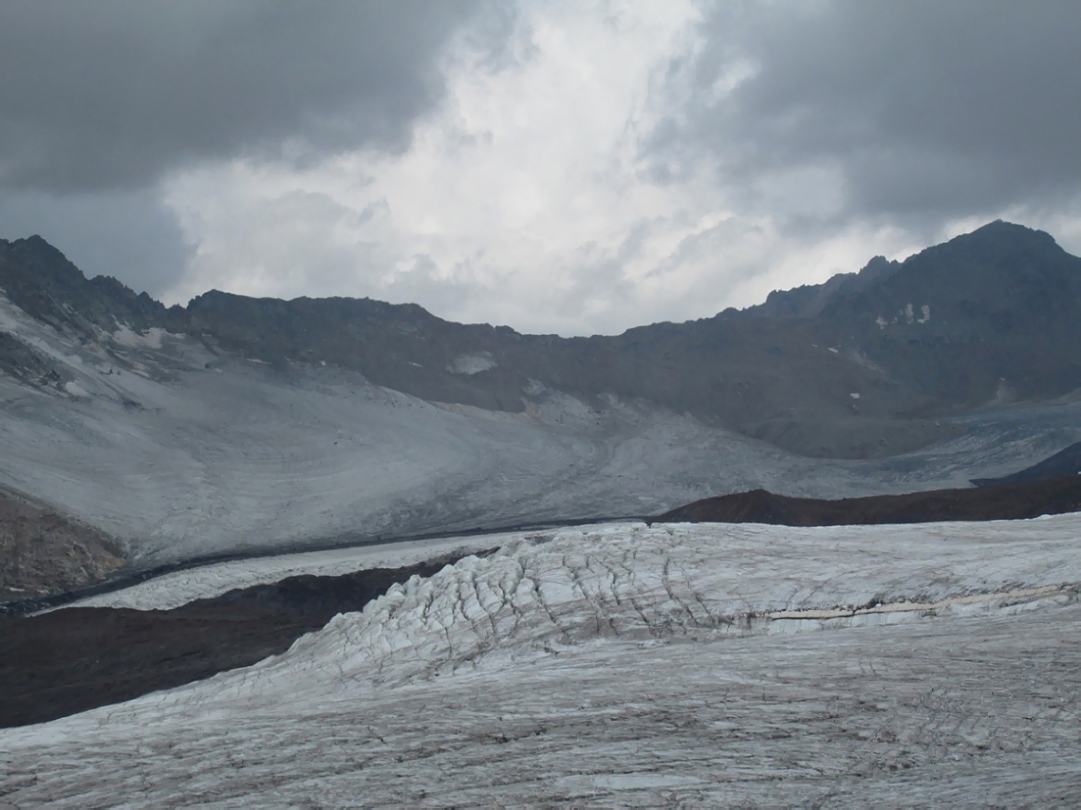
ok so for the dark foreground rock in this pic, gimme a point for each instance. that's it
(75, 659)
(1004, 502)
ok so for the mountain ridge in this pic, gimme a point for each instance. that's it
(864, 365)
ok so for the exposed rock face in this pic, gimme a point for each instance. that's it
(1004, 502)
(993, 314)
(43, 552)
(809, 300)
(42, 282)
(26, 365)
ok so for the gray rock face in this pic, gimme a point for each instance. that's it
(991, 315)
(26, 365)
(43, 552)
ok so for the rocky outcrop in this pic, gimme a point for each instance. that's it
(26, 365)
(42, 552)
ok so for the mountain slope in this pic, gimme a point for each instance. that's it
(42, 551)
(991, 314)
(238, 423)
(743, 375)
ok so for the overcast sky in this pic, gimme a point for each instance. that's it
(574, 167)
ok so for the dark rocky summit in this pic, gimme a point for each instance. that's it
(41, 281)
(1001, 319)
(810, 300)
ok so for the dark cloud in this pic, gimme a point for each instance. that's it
(124, 234)
(111, 94)
(923, 108)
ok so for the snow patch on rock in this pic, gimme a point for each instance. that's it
(134, 340)
(472, 363)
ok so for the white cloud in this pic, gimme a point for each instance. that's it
(526, 197)
(521, 199)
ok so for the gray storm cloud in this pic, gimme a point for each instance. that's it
(112, 93)
(924, 109)
(763, 131)
(99, 100)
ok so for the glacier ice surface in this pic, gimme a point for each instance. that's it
(634, 666)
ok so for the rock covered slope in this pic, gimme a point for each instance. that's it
(694, 665)
(42, 552)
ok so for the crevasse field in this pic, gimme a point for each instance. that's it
(622, 665)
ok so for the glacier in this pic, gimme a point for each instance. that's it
(181, 451)
(622, 664)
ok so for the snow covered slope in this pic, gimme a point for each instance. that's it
(181, 450)
(635, 666)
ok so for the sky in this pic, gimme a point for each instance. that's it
(574, 167)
